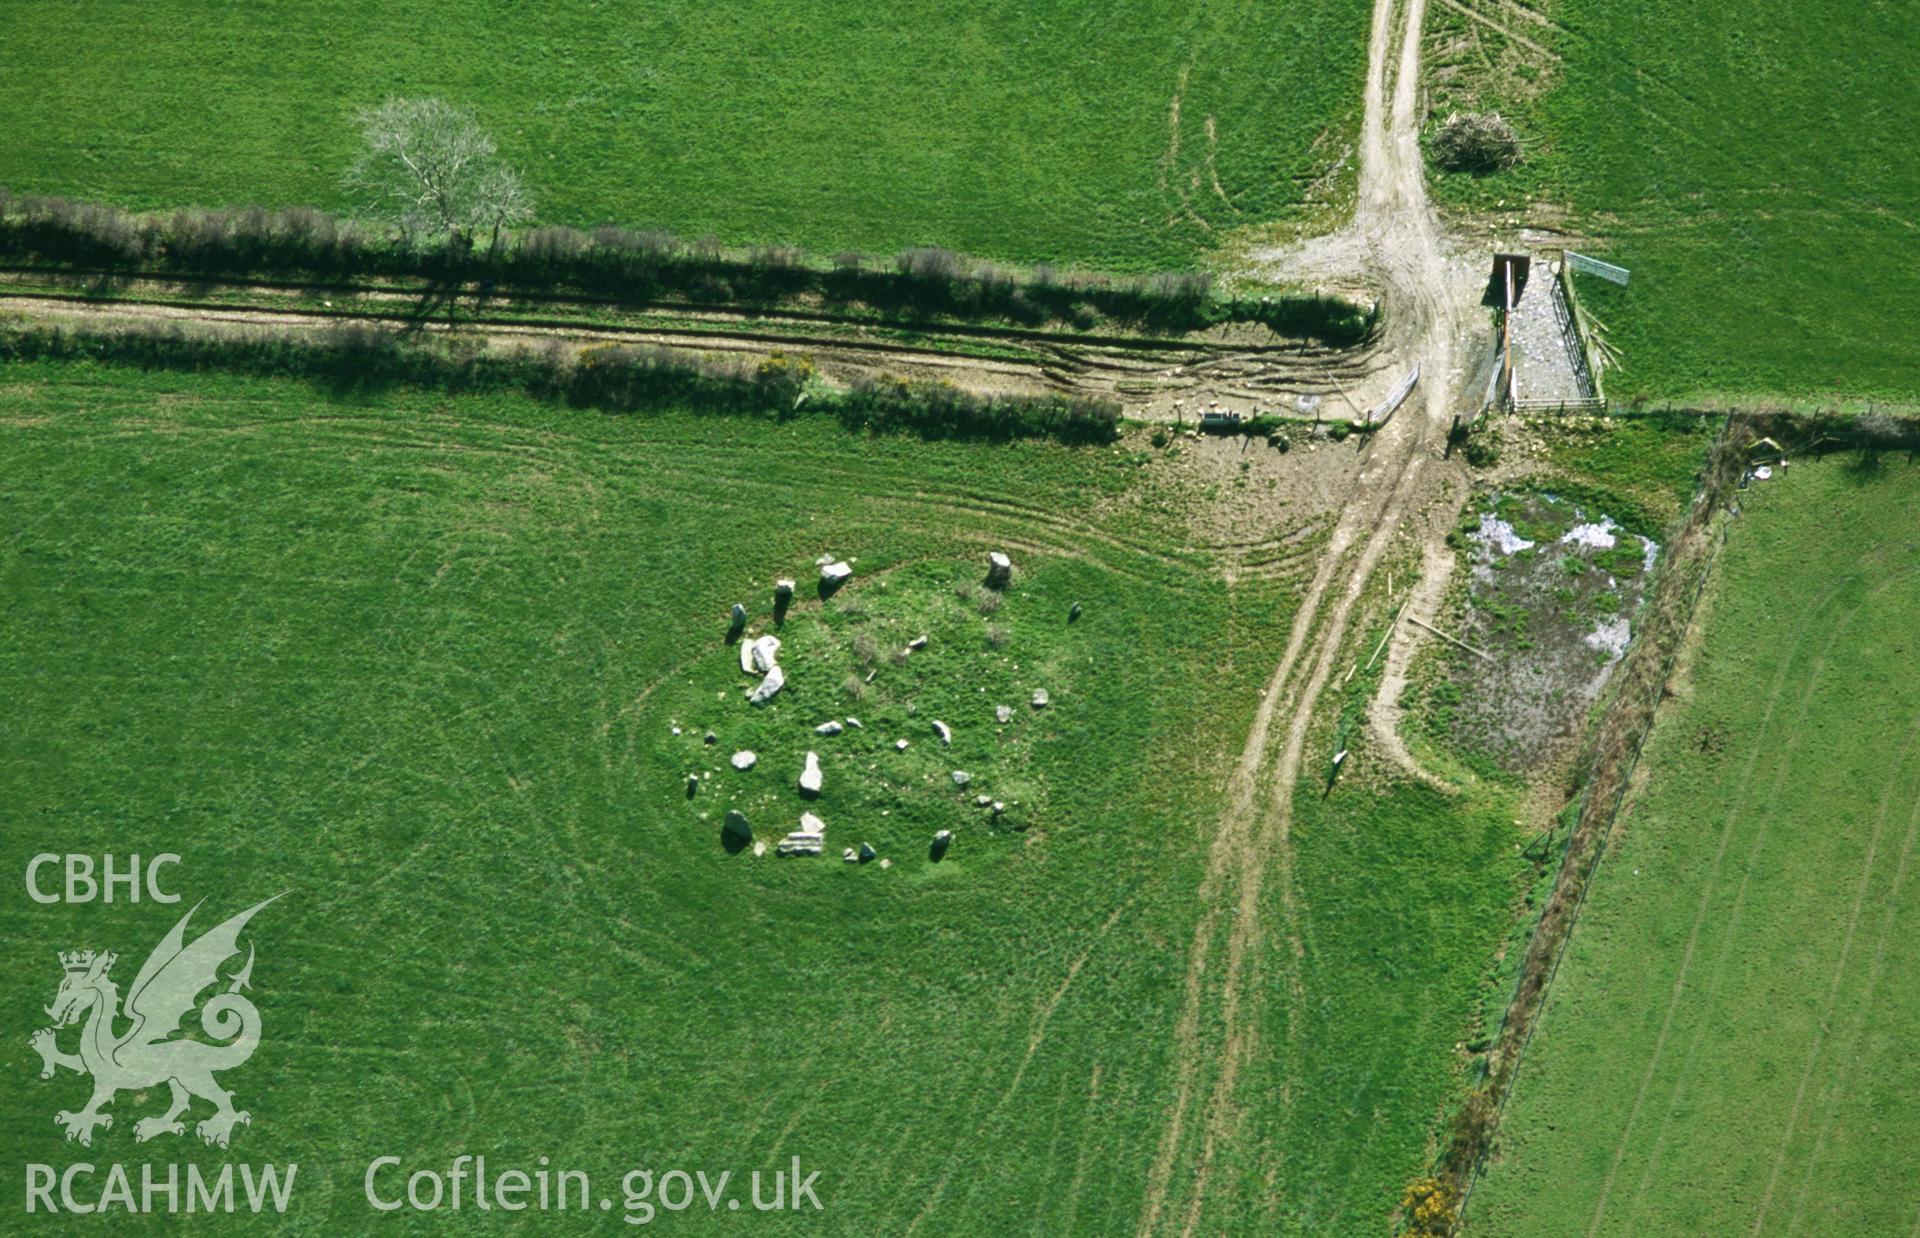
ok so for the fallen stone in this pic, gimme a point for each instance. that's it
(855, 722)
(810, 779)
(900, 745)
(850, 855)
(961, 778)
(828, 728)
(867, 853)
(745, 759)
(764, 652)
(918, 642)
(809, 839)
(776, 679)
(945, 733)
(981, 801)
(941, 842)
(1040, 698)
(835, 574)
(736, 831)
(746, 657)
(1003, 713)
(886, 864)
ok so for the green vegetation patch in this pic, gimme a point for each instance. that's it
(1723, 1050)
(416, 660)
(1036, 132)
(1748, 161)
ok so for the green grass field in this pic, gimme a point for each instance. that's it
(1723, 1050)
(1018, 131)
(416, 660)
(1748, 161)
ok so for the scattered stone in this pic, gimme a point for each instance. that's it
(809, 839)
(918, 642)
(763, 652)
(900, 745)
(776, 679)
(886, 864)
(867, 853)
(810, 776)
(828, 728)
(1040, 698)
(736, 832)
(746, 758)
(1003, 713)
(1073, 616)
(981, 801)
(850, 855)
(998, 808)
(693, 785)
(941, 842)
(855, 723)
(835, 574)
(961, 778)
(676, 730)
(945, 733)
(759, 848)
(999, 570)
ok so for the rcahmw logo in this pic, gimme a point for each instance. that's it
(164, 992)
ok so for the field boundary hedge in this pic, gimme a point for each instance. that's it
(1613, 755)
(643, 265)
(612, 377)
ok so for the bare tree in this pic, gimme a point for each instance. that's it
(432, 171)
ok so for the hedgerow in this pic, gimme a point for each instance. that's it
(642, 265)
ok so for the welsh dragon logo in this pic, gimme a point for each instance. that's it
(151, 1052)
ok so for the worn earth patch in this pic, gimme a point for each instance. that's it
(1551, 593)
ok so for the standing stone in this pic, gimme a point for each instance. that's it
(712, 738)
(783, 590)
(945, 733)
(1073, 616)
(739, 615)
(941, 842)
(999, 570)
(867, 853)
(693, 785)
(810, 779)
(736, 832)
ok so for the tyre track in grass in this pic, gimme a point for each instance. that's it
(1394, 227)
(1839, 976)
(1850, 1057)
(1775, 692)
(1746, 881)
